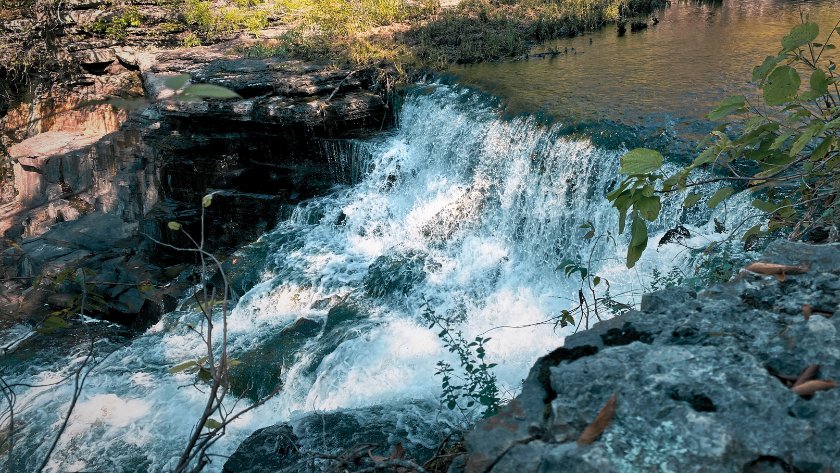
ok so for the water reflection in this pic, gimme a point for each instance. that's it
(662, 79)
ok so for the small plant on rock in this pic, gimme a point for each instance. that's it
(474, 388)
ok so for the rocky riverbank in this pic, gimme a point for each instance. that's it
(738, 377)
(90, 183)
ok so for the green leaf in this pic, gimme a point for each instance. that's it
(640, 161)
(691, 200)
(754, 231)
(174, 226)
(802, 141)
(781, 86)
(649, 207)
(638, 231)
(176, 82)
(183, 366)
(759, 73)
(596, 280)
(212, 424)
(821, 151)
(207, 200)
(780, 140)
(729, 106)
(719, 196)
(800, 35)
(210, 91)
(638, 240)
(819, 82)
(764, 206)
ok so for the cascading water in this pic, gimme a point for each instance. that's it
(457, 208)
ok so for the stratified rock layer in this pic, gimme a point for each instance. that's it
(699, 379)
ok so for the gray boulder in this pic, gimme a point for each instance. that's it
(314, 442)
(702, 383)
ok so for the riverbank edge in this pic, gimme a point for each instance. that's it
(689, 382)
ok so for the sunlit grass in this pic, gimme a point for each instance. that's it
(411, 32)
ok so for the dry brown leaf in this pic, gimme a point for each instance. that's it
(376, 458)
(807, 374)
(398, 452)
(810, 387)
(806, 311)
(778, 270)
(602, 420)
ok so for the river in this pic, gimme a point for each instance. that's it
(468, 206)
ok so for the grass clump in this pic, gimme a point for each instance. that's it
(213, 21)
(116, 27)
(481, 30)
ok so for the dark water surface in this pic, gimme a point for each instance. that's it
(661, 79)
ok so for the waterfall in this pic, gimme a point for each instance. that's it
(457, 208)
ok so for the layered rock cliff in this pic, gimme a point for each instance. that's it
(101, 156)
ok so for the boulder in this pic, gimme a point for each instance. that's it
(702, 382)
(311, 442)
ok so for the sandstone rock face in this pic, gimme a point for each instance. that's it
(701, 382)
(150, 160)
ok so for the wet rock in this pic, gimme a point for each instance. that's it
(259, 370)
(302, 444)
(700, 382)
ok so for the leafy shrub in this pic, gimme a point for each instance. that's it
(474, 387)
(784, 153)
(212, 21)
(117, 27)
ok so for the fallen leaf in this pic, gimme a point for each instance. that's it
(602, 420)
(807, 374)
(398, 452)
(778, 270)
(810, 387)
(806, 311)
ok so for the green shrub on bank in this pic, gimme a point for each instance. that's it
(212, 21)
(481, 30)
(782, 150)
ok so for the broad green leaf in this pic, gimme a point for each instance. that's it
(729, 106)
(638, 240)
(719, 196)
(649, 207)
(760, 72)
(754, 231)
(691, 200)
(176, 82)
(183, 366)
(207, 200)
(764, 206)
(800, 35)
(781, 86)
(212, 424)
(819, 82)
(802, 141)
(707, 156)
(821, 151)
(633, 255)
(175, 226)
(638, 231)
(780, 140)
(210, 91)
(640, 161)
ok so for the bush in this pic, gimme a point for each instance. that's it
(784, 152)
